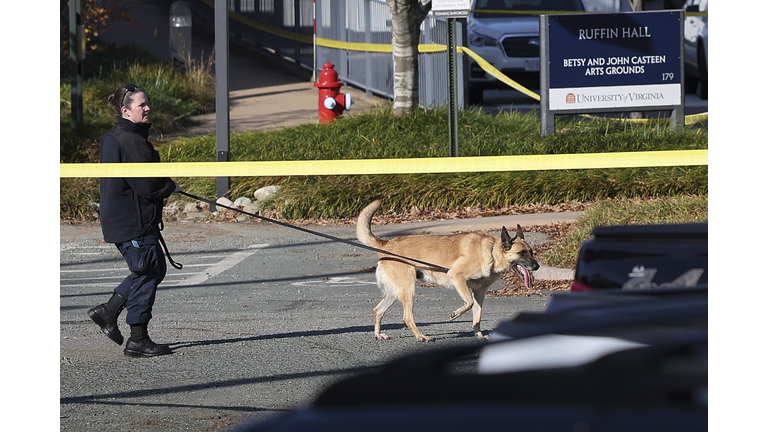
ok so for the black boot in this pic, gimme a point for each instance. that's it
(105, 315)
(140, 345)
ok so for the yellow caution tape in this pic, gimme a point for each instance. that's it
(488, 68)
(689, 120)
(389, 166)
(696, 118)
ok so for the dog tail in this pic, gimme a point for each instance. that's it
(364, 233)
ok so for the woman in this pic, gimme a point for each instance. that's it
(131, 218)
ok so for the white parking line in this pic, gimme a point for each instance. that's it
(344, 281)
(122, 268)
(222, 266)
(193, 278)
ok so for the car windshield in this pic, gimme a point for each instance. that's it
(502, 8)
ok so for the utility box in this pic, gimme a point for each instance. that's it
(181, 31)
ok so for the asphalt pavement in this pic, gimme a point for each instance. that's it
(260, 319)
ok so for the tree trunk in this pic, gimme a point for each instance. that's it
(407, 16)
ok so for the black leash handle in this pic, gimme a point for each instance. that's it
(330, 237)
(176, 265)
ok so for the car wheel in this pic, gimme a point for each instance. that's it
(703, 80)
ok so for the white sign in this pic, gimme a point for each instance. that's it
(614, 97)
(451, 8)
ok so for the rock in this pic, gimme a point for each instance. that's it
(223, 201)
(252, 207)
(192, 207)
(242, 201)
(266, 192)
(96, 207)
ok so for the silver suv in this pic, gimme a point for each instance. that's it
(508, 41)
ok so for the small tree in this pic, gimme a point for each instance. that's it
(97, 16)
(407, 16)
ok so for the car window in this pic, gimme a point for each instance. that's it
(495, 6)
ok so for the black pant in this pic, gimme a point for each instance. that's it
(147, 265)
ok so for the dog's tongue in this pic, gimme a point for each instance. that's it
(527, 277)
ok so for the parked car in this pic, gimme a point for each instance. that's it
(641, 257)
(509, 42)
(696, 48)
(605, 361)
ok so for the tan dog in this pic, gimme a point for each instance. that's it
(474, 260)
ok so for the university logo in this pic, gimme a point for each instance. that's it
(570, 98)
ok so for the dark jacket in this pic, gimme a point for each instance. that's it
(130, 207)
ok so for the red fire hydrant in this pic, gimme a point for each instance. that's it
(332, 103)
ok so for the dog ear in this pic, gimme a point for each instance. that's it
(506, 239)
(520, 232)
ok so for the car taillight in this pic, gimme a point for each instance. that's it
(577, 286)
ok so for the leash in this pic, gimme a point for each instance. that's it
(176, 265)
(330, 237)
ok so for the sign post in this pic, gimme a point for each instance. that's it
(451, 10)
(76, 56)
(623, 62)
(221, 21)
(453, 105)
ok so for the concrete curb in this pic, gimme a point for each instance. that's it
(476, 224)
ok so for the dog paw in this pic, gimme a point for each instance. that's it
(482, 337)
(454, 315)
(425, 339)
(382, 336)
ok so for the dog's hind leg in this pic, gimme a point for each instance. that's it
(406, 299)
(402, 280)
(378, 314)
(397, 281)
(390, 296)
